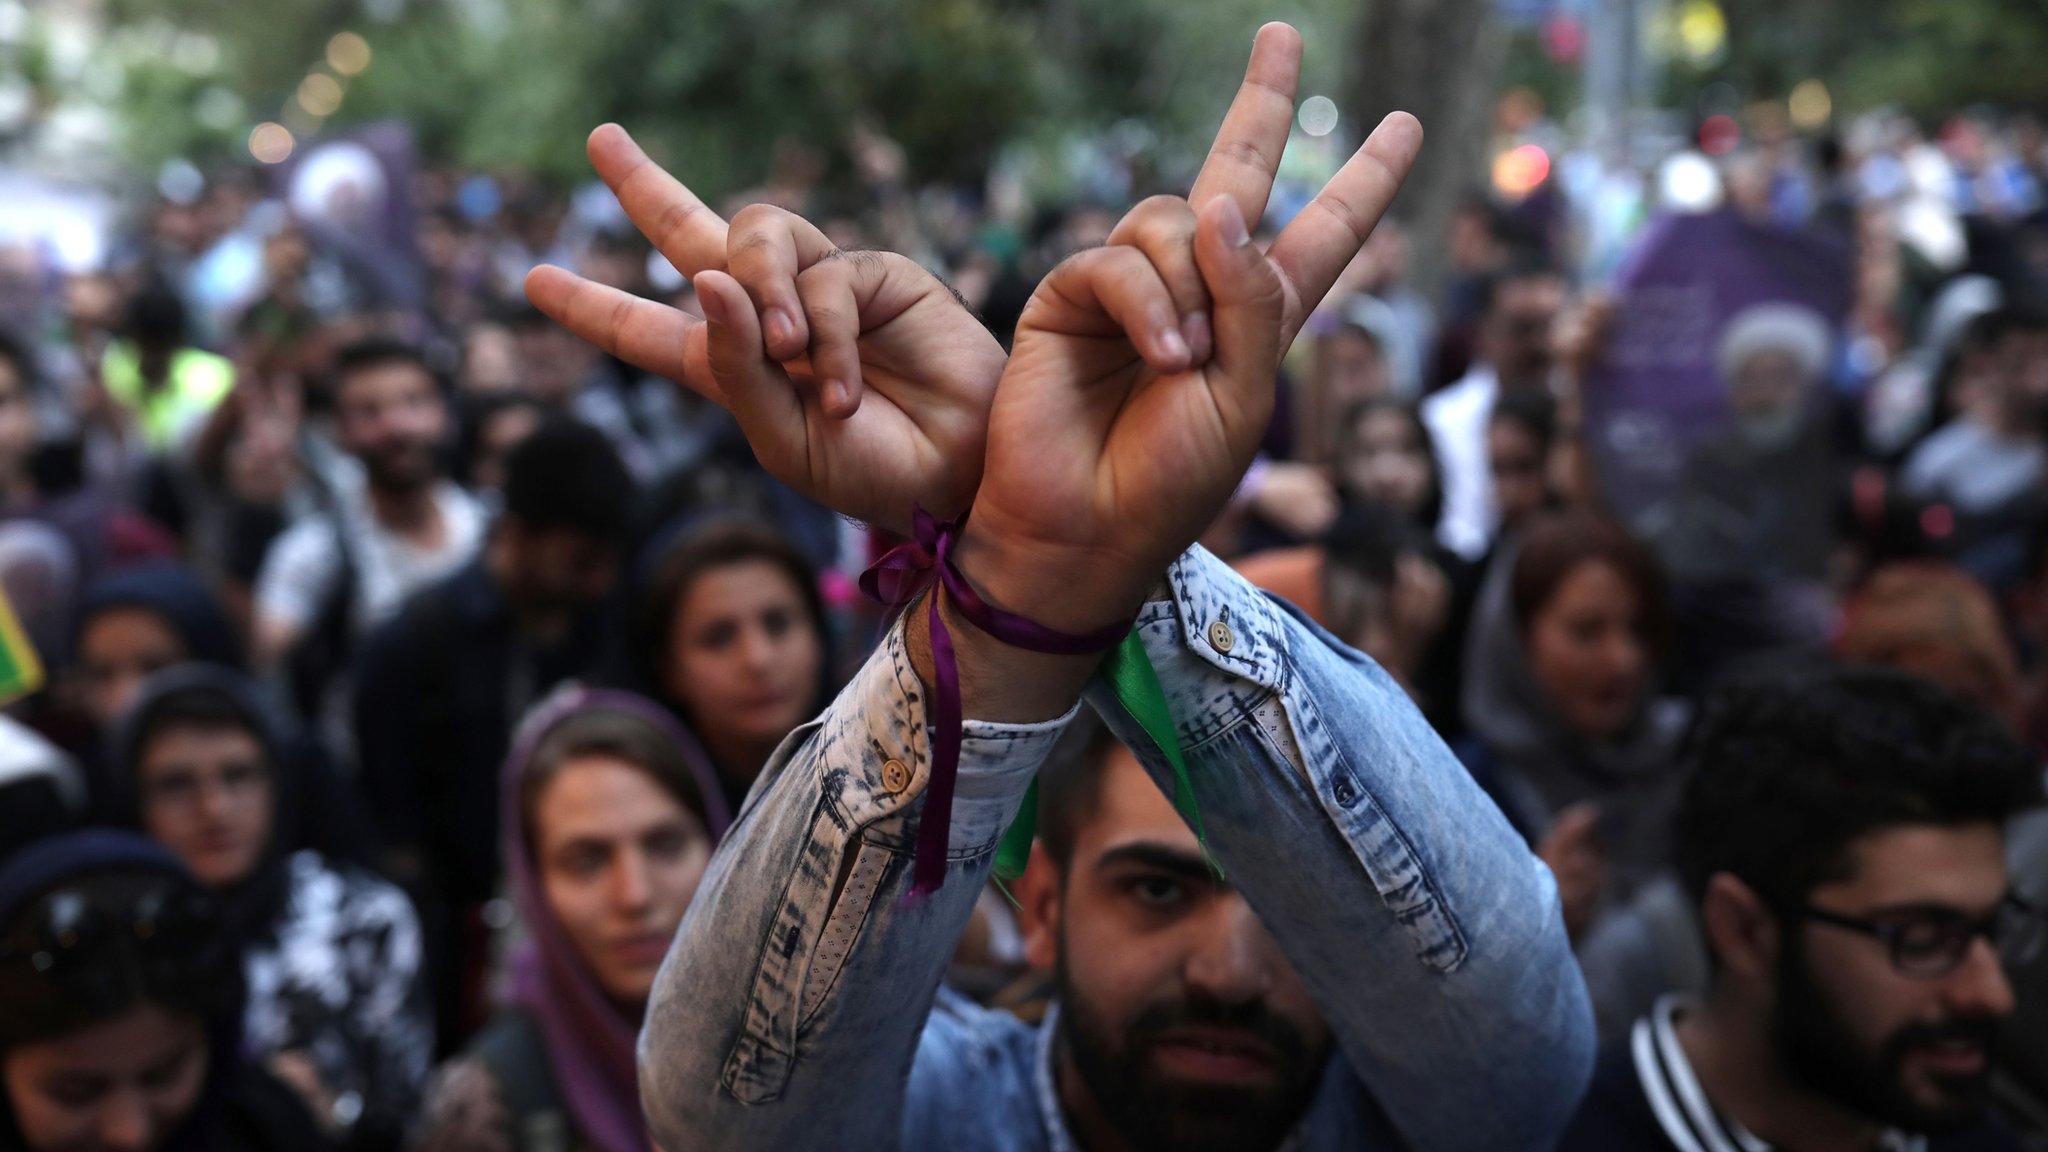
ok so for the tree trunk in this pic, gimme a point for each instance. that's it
(1437, 59)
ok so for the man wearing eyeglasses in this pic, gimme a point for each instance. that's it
(1843, 835)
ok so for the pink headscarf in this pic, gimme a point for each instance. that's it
(590, 1043)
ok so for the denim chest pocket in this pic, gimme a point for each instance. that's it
(1392, 864)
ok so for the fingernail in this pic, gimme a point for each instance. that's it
(714, 308)
(781, 329)
(1232, 226)
(837, 396)
(1176, 349)
(1195, 330)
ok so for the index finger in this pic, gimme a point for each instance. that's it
(671, 216)
(1313, 250)
(652, 337)
(1247, 150)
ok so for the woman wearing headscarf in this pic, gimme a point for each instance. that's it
(1564, 727)
(611, 813)
(120, 1010)
(331, 954)
(731, 636)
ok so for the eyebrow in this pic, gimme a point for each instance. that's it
(1159, 858)
(1931, 908)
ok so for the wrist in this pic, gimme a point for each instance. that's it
(1072, 590)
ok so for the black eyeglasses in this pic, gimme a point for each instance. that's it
(1932, 944)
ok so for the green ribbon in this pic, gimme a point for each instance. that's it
(1130, 675)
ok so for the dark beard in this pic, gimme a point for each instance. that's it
(1153, 1114)
(1823, 1055)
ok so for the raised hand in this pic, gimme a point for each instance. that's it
(1113, 440)
(859, 379)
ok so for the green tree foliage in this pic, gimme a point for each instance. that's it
(713, 85)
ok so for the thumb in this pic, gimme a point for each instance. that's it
(1246, 302)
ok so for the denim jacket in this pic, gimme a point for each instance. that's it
(786, 1017)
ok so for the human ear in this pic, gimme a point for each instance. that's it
(1741, 930)
(1038, 894)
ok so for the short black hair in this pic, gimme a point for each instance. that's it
(376, 352)
(567, 475)
(1787, 768)
(15, 350)
(205, 705)
(155, 316)
(1070, 784)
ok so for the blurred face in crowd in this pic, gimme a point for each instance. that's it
(619, 860)
(285, 258)
(207, 795)
(123, 1085)
(17, 420)
(1474, 248)
(743, 654)
(501, 432)
(490, 360)
(391, 416)
(1768, 394)
(557, 363)
(1586, 649)
(1182, 1026)
(92, 300)
(1352, 369)
(117, 649)
(2020, 363)
(1521, 483)
(1382, 460)
(558, 569)
(1904, 1049)
(1518, 329)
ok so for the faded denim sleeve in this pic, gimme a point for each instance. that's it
(790, 1006)
(1425, 930)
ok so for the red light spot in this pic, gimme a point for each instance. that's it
(1938, 521)
(1719, 135)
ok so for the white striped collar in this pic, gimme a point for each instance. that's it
(1688, 1118)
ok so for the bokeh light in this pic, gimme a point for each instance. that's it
(320, 94)
(348, 53)
(1520, 171)
(270, 143)
(1318, 115)
(1702, 31)
(1719, 135)
(1810, 105)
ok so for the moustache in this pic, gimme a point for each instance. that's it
(1976, 1031)
(1253, 1019)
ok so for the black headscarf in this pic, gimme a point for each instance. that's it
(240, 1108)
(175, 593)
(252, 904)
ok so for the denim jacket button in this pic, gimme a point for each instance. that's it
(895, 777)
(1221, 637)
(1346, 794)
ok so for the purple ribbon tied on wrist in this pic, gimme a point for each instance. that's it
(895, 580)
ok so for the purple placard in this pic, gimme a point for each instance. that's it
(352, 193)
(1656, 392)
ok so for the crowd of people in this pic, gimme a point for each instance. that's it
(464, 731)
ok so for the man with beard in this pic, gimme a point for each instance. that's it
(800, 1005)
(440, 685)
(1515, 355)
(1843, 835)
(1177, 1021)
(402, 526)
